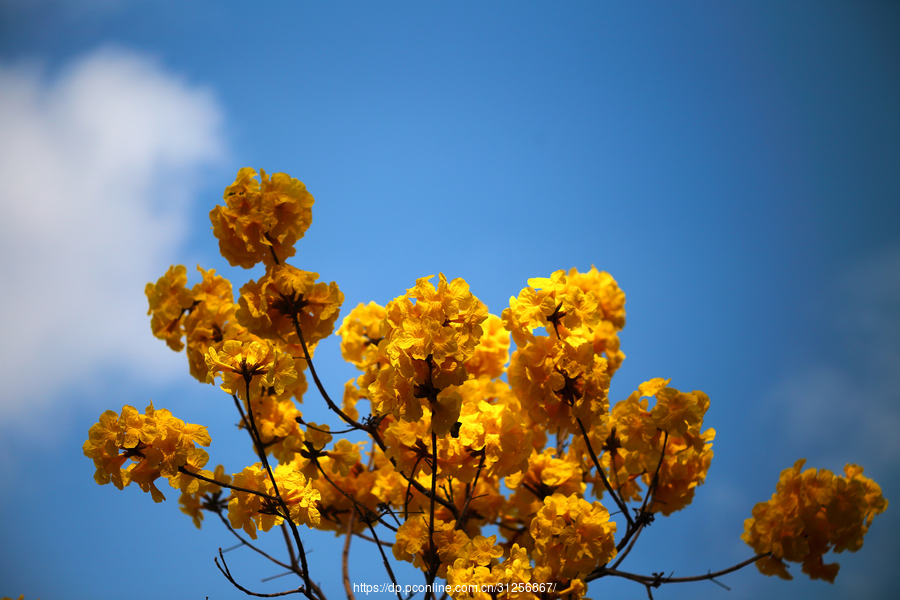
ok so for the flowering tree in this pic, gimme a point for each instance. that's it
(465, 440)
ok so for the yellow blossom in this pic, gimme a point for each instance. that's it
(268, 307)
(572, 536)
(261, 218)
(259, 363)
(169, 299)
(430, 333)
(810, 513)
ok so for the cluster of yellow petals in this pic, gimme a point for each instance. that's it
(252, 512)
(429, 335)
(564, 377)
(252, 365)
(492, 352)
(412, 542)
(157, 444)
(509, 578)
(490, 436)
(560, 381)
(572, 537)
(635, 435)
(546, 475)
(268, 307)
(261, 218)
(362, 345)
(204, 315)
(431, 363)
(810, 513)
(588, 305)
(169, 300)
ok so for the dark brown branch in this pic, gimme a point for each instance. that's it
(461, 522)
(290, 546)
(226, 485)
(227, 573)
(272, 248)
(312, 369)
(657, 579)
(287, 513)
(345, 559)
(602, 475)
(434, 563)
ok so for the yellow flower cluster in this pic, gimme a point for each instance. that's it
(252, 365)
(268, 307)
(572, 536)
(456, 448)
(564, 376)
(633, 440)
(429, 334)
(158, 445)
(810, 513)
(261, 219)
(205, 315)
(252, 512)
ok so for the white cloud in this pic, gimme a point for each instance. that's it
(98, 167)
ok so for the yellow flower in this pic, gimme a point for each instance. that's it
(169, 299)
(430, 333)
(572, 536)
(298, 494)
(676, 411)
(260, 363)
(482, 550)
(360, 334)
(344, 455)
(578, 307)
(244, 507)
(559, 380)
(412, 544)
(267, 308)
(492, 352)
(156, 442)
(810, 513)
(261, 218)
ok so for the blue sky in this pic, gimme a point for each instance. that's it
(733, 165)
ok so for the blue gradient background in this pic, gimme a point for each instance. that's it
(735, 166)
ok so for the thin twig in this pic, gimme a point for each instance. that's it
(408, 496)
(272, 248)
(290, 546)
(312, 369)
(644, 517)
(345, 558)
(657, 579)
(654, 483)
(251, 546)
(182, 469)
(432, 549)
(384, 558)
(287, 513)
(350, 497)
(461, 522)
(227, 573)
(602, 475)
